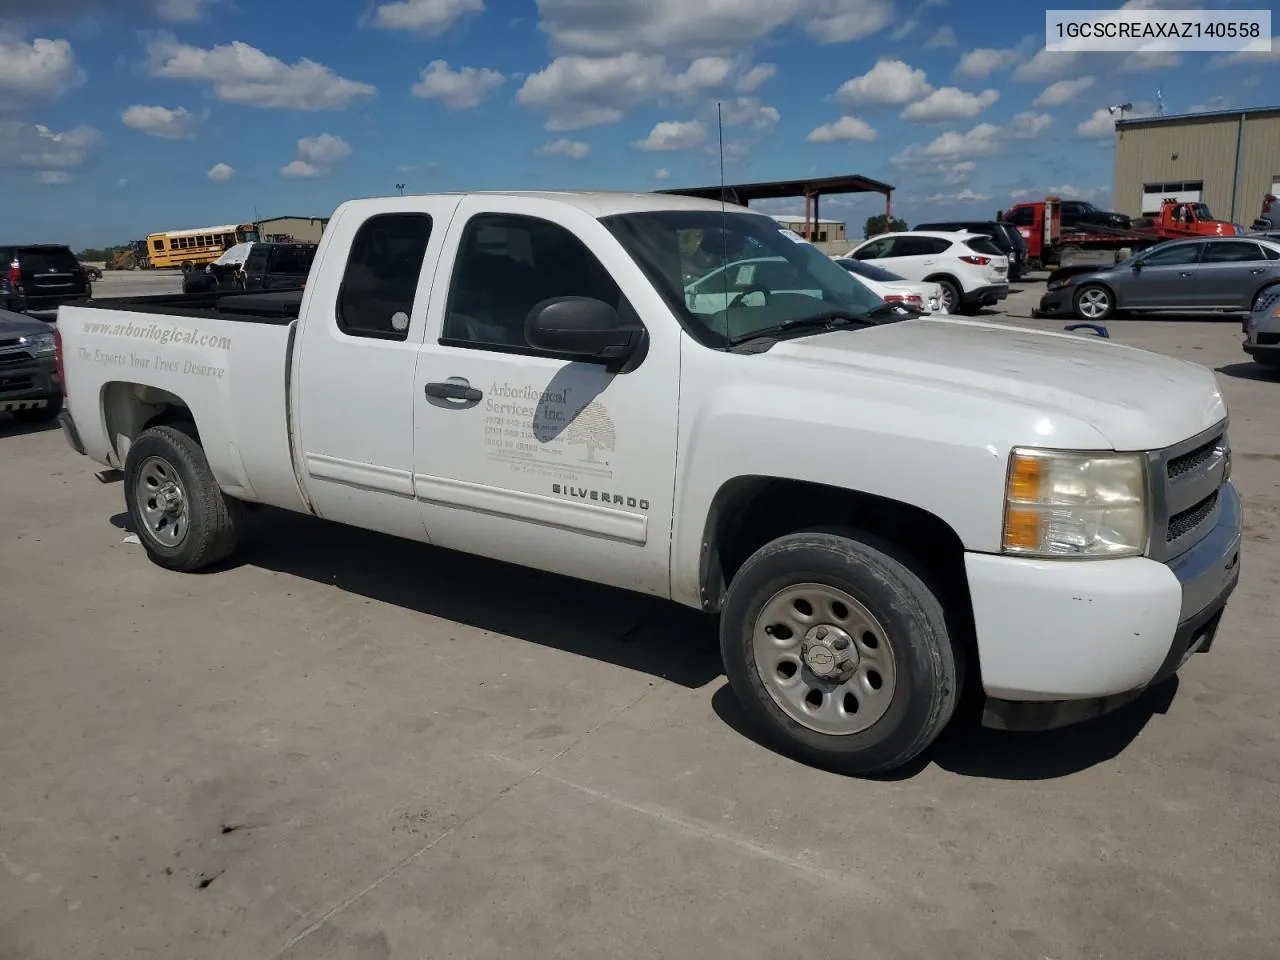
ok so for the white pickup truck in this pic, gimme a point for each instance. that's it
(879, 510)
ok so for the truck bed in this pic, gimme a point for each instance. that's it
(280, 307)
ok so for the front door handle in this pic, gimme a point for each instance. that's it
(1256, 271)
(454, 390)
(1182, 274)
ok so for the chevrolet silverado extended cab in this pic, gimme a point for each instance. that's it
(879, 510)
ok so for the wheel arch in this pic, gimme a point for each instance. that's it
(749, 511)
(129, 408)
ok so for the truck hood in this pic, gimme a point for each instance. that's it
(14, 325)
(1136, 399)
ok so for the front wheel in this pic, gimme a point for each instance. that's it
(1094, 303)
(839, 650)
(183, 519)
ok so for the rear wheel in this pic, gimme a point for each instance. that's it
(1094, 303)
(950, 295)
(839, 651)
(182, 518)
(186, 266)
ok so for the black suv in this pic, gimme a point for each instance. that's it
(40, 276)
(1004, 235)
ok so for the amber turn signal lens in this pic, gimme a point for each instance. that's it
(1025, 478)
(1022, 529)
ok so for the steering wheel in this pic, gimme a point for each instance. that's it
(754, 288)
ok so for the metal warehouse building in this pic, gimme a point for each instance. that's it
(1229, 160)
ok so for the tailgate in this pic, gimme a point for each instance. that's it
(48, 272)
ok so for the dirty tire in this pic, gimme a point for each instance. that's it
(43, 415)
(884, 580)
(213, 519)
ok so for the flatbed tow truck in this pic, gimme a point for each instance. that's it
(1048, 245)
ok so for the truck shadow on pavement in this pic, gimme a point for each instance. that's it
(646, 634)
(640, 633)
(968, 749)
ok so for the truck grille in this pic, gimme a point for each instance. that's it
(14, 358)
(16, 383)
(1186, 480)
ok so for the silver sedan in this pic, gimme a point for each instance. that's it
(1207, 275)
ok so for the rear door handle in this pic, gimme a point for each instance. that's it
(1182, 274)
(454, 390)
(1256, 271)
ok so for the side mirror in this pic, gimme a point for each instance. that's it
(580, 326)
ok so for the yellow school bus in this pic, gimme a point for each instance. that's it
(189, 248)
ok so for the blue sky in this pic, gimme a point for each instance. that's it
(121, 117)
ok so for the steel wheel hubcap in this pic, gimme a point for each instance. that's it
(162, 501)
(825, 660)
(1093, 303)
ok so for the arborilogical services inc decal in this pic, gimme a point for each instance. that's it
(564, 433)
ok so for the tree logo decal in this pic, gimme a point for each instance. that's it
(593, 429)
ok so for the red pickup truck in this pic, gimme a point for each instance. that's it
(1040, 224)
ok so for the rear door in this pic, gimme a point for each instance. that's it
(1230, 274)
(51, 272)
(916, 257)
(1165, 279)
(353, 393)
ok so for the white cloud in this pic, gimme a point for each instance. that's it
(755, 78)
(981, 63)
(324, 150)
(1046, 65)
(982, 141)
(1245, 57)
(904, 29)
(221, 173)
(1147, 60)
(718, 26)
(300, 168)
(1028, 125)
(749, 110)
(577, 92)
(1062, 92)
(428, 17)
(572, 149)
(964, 196)
(846, 128)
(52, 178)
(942, 37)
(179, 11)
(674, 135)
(31, 146)
(949, 103)
(239, 73)
(889, 83)
(36, 72)
(1101, 125)
(959, 172)
(457, 89)
(122, 182)
(661, 174)
(316, 156)
(178, 123)
(1210, 105)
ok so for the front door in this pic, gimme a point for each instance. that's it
(354, 394)
(536, 458)
(1165, 280)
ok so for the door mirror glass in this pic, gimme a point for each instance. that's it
(580, 326)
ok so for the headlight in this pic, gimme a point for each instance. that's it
(1059, 284)
(42, 344)
(1063, 504)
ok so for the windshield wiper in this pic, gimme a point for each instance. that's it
(824, 321)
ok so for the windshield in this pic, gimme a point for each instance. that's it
(732, 275)
(870, 271)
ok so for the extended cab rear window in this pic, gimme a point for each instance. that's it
(381, 277)
(48, 259)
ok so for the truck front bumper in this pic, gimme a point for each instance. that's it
(1060, 641)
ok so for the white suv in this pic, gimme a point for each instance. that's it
(969, 268)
